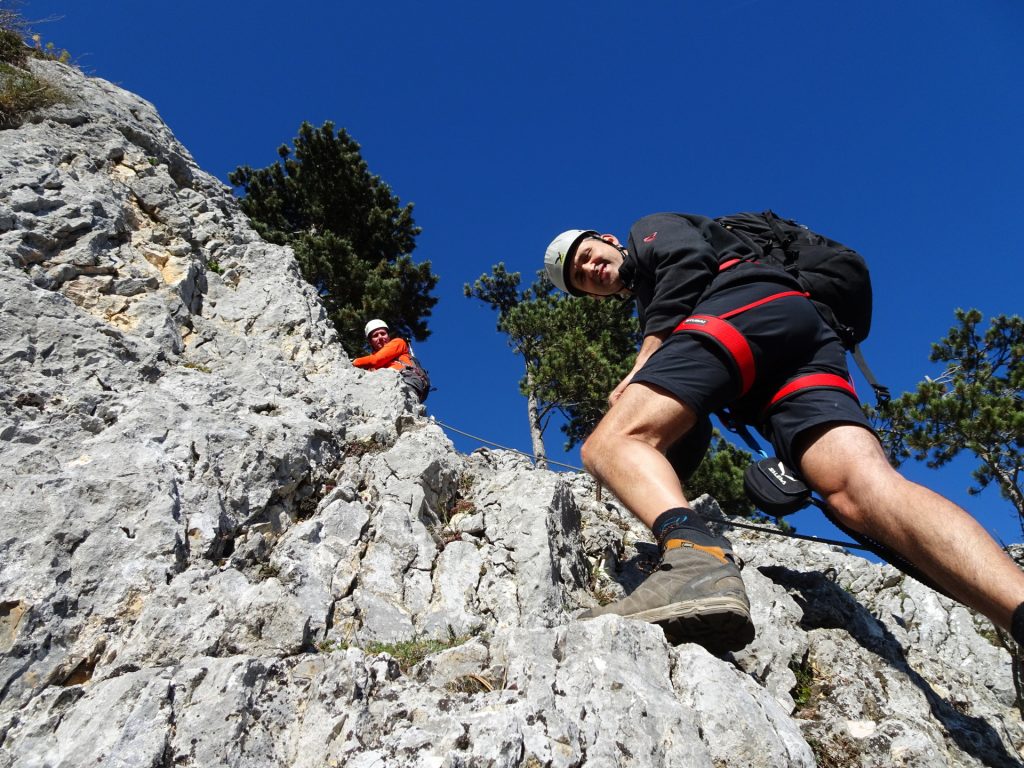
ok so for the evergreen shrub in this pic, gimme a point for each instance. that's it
(12, 48)
(21, 92)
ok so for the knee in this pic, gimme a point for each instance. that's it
(846, 466)
(847, 509)
(860, 501)
(590, 452)
(601, 448)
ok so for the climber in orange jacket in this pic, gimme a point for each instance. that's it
(396, 354)
(386, 352)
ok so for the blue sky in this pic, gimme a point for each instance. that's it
(892, 127)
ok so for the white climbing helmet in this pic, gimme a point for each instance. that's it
(372, 326)
(558, 257)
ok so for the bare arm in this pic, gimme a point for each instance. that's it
(650, 344)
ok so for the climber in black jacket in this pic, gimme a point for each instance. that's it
(685, 273)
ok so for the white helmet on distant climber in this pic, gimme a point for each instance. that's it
(558, 258)
(373, 325)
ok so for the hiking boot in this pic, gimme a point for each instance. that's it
(695, 594)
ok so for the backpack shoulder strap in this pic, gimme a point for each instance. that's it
(881, 391)
(784, 239)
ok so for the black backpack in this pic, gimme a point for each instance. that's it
(834, 275)
(416, 377)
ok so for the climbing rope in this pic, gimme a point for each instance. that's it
(729, 523)
(794, 535)
(505, 447)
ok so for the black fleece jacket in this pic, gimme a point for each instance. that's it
(672, 261)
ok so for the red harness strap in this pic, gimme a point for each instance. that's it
(813, 381)
(765, 300)
(731, 340)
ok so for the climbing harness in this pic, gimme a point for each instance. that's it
(772, 486)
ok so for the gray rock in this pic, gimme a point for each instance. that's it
(224, 545)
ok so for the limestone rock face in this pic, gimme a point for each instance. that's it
(224, 545)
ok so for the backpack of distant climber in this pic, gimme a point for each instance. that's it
(416, 377)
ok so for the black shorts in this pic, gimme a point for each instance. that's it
(788, 339)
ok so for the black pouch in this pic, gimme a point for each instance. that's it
(774, 488)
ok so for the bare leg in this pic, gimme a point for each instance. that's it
(696, 594)
(626, 451)
(846, 465)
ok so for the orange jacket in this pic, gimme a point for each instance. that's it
(394, 354)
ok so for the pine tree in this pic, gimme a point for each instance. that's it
(351, 236)
(720, 476)
(976, 405)
(574, 352)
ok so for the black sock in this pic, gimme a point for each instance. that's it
(684, 523)
(1017, 625)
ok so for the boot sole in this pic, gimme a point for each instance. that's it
(717, 623)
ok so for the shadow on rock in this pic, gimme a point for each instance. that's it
(630, 574)
(826, 605)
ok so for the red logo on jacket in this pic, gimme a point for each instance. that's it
(650, 237)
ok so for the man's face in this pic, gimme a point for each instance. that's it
(595, 266)
(378, 338)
